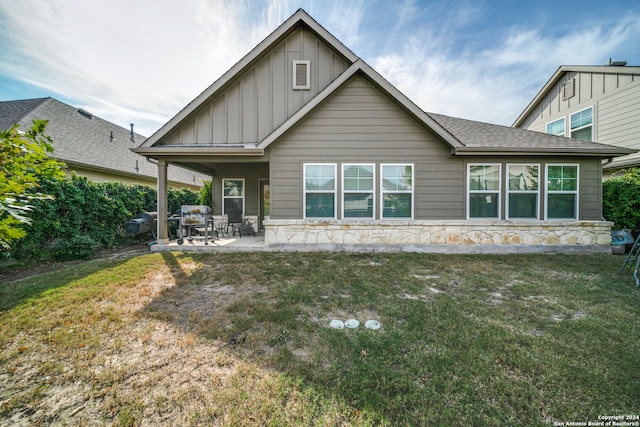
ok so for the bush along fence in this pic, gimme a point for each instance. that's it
(621, 200)
(86, 216)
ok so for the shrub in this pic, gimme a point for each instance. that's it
(621, 200)
(94, 212)
(205, 196)
(76, 247)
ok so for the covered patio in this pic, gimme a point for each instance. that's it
(226, 243)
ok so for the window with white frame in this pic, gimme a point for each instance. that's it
(301, 75)
(484, 184)
(320, 190)
(358, 190)
(562, 191)
(397, 190)
(582, 125)
(556, 127)
(233, 194)
(522, 191)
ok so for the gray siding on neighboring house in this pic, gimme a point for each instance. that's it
(619, 117)
(590, 88)
(262, 98)
(358, 124)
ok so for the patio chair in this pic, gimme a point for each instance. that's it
(238, 223)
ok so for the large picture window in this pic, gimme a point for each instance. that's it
(320, 190)
(484, 191)
(582, 125)
(233, 194)
(522, 191)
(358, 190)
(562, 192)
(397, 190)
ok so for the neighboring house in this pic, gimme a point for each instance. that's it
(592, 103)
(308, 139)
(91, 146)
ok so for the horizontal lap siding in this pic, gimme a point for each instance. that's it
(618, 118)
(359, 124)
(590, 190)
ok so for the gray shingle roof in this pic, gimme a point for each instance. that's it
(486, 137)
(11, 112)
(82, 139)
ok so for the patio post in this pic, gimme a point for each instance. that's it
(163, 235)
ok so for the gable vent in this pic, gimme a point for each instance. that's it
(301, 74)
(569, 89)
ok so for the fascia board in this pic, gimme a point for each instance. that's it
(560, 151)
(204, 150)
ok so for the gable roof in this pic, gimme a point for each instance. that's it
(83, 140)
(362, 68)
(562, 70)
(297, 19)
(465, 137)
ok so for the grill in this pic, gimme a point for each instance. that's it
(145, 222)
(192, 219)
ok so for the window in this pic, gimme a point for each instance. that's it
(562, 192)
(556, 127)
(582, 124)
(522, 191)
(484, 191)
(301, 75)
(397, 190)
(319, 190)
(233, 194)
(357, 190)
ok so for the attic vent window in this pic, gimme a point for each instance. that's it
(301, 75)
(85, 113)
(568, 89)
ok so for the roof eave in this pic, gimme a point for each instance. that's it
(181, 150)
(529, 151)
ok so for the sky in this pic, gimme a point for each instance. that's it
(142, 61)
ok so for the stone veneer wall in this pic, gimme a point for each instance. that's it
(455, 236)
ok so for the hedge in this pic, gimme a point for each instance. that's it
(621, 200)
(87, 215)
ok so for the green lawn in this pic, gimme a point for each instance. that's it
(244, 339)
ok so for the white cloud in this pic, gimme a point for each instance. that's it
(142, 61)
(496, 83)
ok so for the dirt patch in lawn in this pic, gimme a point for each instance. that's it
(120, 365)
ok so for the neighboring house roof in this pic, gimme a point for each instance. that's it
(465, 137)
(604, 69)
(83, 140)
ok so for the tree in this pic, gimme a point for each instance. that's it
(24, 163)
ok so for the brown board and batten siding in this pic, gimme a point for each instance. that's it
(259, 100)
(361, 124)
